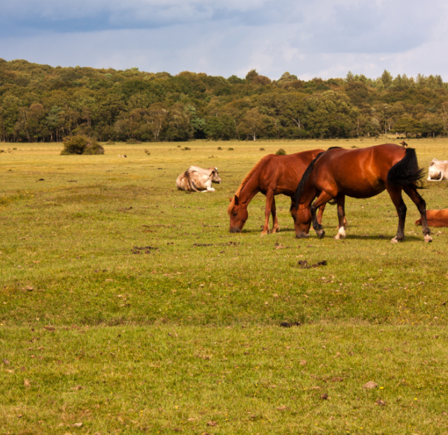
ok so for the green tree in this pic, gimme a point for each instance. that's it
(253, 123)
(178, 125)
(386, 78)
(220, 127)
(330, 114)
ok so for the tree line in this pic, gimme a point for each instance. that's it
(44, 103)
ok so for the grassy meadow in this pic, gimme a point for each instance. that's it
(127, 307)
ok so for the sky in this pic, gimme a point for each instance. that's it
(308, 38)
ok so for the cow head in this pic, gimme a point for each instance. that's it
(238, 215)
(215, 176)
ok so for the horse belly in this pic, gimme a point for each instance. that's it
(361, 189)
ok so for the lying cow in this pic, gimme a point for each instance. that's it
(437, 170)
(435, 218)
(196, 179)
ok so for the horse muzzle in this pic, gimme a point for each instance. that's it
(235, 230)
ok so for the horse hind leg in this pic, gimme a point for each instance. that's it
(400, 206)
(421, 205)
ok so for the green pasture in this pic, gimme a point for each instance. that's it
(127, 307)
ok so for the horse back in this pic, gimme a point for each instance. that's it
(359, 173)
(284, 172)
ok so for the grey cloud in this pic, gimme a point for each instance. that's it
(323, 38)
(368, 28)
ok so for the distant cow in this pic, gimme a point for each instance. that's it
(196, 179)
(435, 218)
(437, 170)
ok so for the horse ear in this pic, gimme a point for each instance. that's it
(237, 202)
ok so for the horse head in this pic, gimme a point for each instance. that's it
(302, 220)
(238, 215)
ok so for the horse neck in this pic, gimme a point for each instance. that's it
(249, 190)
(309, 193)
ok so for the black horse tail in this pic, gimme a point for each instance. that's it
(406, 172)
(301, 186)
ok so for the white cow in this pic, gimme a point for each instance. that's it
(438, 170)
(196, 179)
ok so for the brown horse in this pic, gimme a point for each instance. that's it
(271, 176)
(360, 173)
(435, 218)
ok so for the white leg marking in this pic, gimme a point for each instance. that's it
(341, 234)
(428, 238)
(394, 240)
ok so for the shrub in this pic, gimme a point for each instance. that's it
(147, 152)
(80, 144)
(133, 141)
(230, 149)
(261, 149)
(220, 148)
(280, 152)
(110, 142)
(187, 149)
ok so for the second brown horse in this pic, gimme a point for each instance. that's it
(360, 173)
(272, 175)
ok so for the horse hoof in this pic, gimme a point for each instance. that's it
(394, 240)
(320, 234)
(263, 233)
(341, 234)
(428, 238)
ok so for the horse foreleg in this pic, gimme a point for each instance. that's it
(275, 226)
(321, 213)
(421, 205)
(397, 199)
(341, 217)
(322, 199)
(267, 211)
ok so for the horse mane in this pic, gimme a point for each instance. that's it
(301, 186)
(240, 188)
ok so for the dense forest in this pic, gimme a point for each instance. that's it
(43, 103)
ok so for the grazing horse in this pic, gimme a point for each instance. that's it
(360, 173)
(272, 175)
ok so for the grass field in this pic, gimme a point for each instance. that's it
(127, 307)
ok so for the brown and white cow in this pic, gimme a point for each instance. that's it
(438, 170)
(435, 218)
(196, 179)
